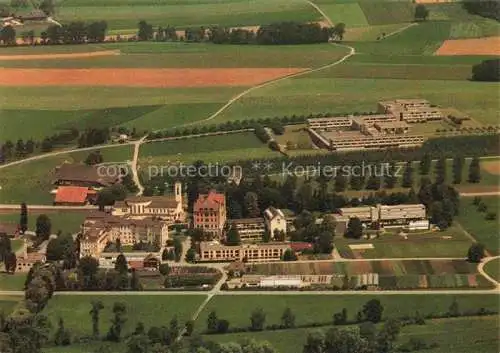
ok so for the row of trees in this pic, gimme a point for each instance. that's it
(276, 33)
(72, 33)
(485, 8)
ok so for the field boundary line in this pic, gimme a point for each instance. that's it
(399, 30)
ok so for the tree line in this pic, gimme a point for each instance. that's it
(485, 8)
(487, 70)
(77, 32)
(282, 33)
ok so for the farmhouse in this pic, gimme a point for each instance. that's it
(100, 229)
(412, 216)
(77, 184)
(74, 196)
(82, 175)
(166, 208)
(209, 213)
(214, 251)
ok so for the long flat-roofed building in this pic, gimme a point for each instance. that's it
(214, 251)
(249, 229)
(329, 122)
(382, 215)
(411, 110)
(376, 141)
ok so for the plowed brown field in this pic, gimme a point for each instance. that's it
(142, 77)
(478, 46)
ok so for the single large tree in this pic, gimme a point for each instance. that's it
(288, 318)
(121, 264)
(474, 171)
(251, 201)
(354, 228)
(23, 219)
(475, 253)
(372, 311)
(257, 319)
(421, 12)
(233, 237)
(97, 306)
(43, 227)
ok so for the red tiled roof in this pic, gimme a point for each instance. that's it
(135, 264)
(300, 246)
(72, 194)
(211, 200)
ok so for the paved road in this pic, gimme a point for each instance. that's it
(135, 173)
(474, 194)
(480, 269)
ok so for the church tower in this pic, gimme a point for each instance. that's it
(178, 191)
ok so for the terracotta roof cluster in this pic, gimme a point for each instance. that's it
(98, 222)
(212, 200)
(73, 194)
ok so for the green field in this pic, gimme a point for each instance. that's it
(125, 14)
(36, 189)
(460, 335)
(425, 244)
(492, 268)
(179, 54)
(66, 222)
(307, 95)
(151, 311)
(310, 309)
(485, 232)
(12, 282)
(8, 303)
(224, 148)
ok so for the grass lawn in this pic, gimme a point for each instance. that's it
(493, 269)
(7, 303)
(12, 282)
(296, 135)
(151, 311)
(349, 13)
(384, 12)
(221, 148)
(310, 309)
(428, 244)
(67, 222)
(125, 14)
(485, 232)
(461, 335)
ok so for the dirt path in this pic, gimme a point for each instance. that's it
(59, 56)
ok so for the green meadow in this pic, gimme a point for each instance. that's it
(485, 231)
(458, 335)
(309, 309)
(125, 14)
(74, 309)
